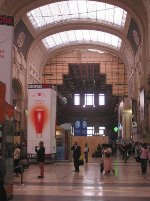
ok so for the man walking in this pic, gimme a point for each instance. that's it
(76, 155)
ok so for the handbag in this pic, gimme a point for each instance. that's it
(107, 154)
(81, 161)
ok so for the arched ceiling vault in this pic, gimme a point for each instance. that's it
(39, 56)
(82, 24)
(75, 25)
(20, 8)
(49, 54)
(83, 48)
(69, 26)
(80, 47)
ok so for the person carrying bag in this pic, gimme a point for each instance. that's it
(81, 161)
(76, 155)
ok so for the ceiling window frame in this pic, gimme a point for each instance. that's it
(65, 38)
(70, 11)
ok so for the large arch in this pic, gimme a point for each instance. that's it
(134, 7)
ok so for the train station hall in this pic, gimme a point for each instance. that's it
(75, 100)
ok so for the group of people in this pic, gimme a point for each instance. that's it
(105, 162)
(106, 154)
(40, 151)
(106, 166)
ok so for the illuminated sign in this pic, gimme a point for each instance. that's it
(116, 129)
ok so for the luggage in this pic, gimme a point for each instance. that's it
(81, 161)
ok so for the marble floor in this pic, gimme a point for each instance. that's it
(62, 184)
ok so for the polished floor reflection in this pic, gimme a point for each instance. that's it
(62, 184)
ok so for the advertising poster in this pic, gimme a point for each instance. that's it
(84, 128)
(80, 128)
(6, 47)
(41, 118)
(77, 128)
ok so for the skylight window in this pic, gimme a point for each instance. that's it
(81, 36)
(74, 10)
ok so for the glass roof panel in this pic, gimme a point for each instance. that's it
(64, 36)
(81, 36)
(73, 8)
(86, 35)
(77, 10)
(72, 36)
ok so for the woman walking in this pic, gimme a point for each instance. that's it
(107, 160)
(144, 157)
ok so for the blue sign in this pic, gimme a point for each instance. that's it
(84, 124)
(80, 128)
(77, 124)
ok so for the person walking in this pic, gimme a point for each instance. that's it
(76, 155)
(107, 160)
(144, 157)
(126, 149)
(40, 158)
(3, 194)
(86, 152)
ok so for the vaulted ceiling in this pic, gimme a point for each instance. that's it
(59, 27)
